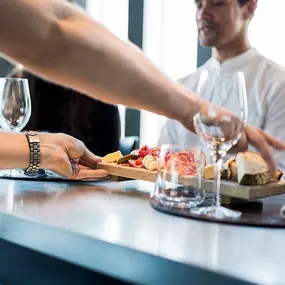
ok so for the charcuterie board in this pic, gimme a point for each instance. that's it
(229, 189)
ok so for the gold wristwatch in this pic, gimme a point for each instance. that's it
(35, 153)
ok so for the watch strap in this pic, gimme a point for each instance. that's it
(35, 153)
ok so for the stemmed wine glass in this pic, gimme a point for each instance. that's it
(15, 104)
(220, 131)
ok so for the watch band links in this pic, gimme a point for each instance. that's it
(35, 153)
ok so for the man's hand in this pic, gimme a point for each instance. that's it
(68, 157)
(262, 141)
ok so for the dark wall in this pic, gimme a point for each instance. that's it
(82, 3)
(136, 14)
(5, 67)
(203, 54)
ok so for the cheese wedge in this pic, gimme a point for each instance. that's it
(226, 170)
(233, 170)
(209, 172)
(112, 157)
(226, 164)
(252, 169)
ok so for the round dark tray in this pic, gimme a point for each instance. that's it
(258, 213)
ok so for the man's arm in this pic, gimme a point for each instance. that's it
(274, 121)
(60, 42)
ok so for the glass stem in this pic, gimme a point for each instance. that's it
(217, 173)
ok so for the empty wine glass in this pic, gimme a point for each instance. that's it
(15, 105)
(179, 176)
(220, 131)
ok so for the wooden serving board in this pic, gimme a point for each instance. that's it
(228, 188)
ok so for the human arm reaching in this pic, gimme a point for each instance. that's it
(61, 43)
(61, 153)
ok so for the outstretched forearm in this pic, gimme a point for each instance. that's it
(63, 44)
(14, 151)
(60, 153)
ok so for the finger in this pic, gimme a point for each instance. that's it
(82, 172)
(70, 168)
(89, 158)
(91, 174)
(80, 166)
(256, 139)
(65, 168)
(272, 141)
(88, 164)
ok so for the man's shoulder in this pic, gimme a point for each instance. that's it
(272, 70)
(272, 77)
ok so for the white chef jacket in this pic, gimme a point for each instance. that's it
(265, 85)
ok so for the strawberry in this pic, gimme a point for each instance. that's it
(136, 162)
(144, 151)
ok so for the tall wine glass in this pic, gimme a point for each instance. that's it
(221, 131)
(15, 105)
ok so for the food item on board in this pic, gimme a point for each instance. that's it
(136, 162)
(112, 157)
(252, 169)
(208, 172)
(226, 170)
(229, 170)
(143, 151)
(183, 162)
(277, 175)
(150, 162)
(233, 170)
(248, 168)
(146, 157)
(126, 158)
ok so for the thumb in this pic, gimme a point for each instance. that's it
(88, 158)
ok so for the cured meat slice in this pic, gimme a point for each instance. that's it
(183, 162)
(154, 151)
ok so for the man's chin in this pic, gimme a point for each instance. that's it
(207, 43)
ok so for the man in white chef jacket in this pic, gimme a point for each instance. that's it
(223, 26)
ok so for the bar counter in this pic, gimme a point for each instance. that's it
(107, 233)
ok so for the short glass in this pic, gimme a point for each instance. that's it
(179, 181)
